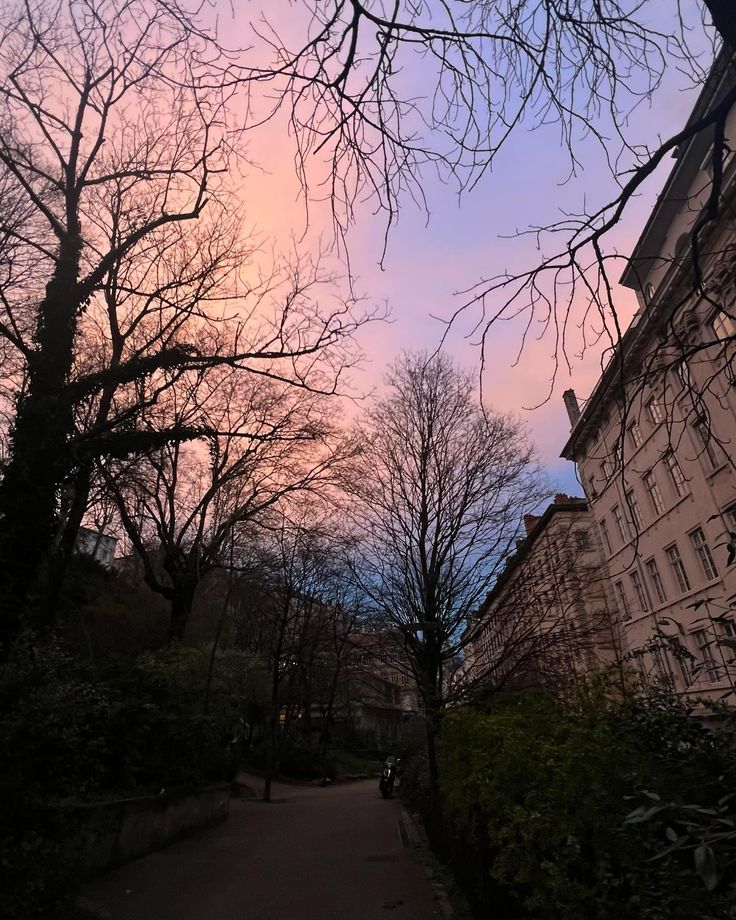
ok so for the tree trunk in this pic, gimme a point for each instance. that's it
(60, 555)
(431, 692)
(40, 453)
(272, 742)
(218, 634)
(327, 720)
(270, 754)
(434, 818)
(182, 601)
(273, 718)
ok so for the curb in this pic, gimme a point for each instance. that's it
(92, 911)
(413, 838)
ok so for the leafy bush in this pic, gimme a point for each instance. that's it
(543, 790)
(52, 744)
(69, 733)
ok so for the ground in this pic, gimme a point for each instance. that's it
(335, 853)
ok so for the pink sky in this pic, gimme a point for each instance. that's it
(428, 263)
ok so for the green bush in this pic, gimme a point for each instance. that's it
(52, 746)
(69, 733)
(544, 791)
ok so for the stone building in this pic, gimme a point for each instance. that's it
(655, 443)
(547, 620)
(378, 694)
(98, 546)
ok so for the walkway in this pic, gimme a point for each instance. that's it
(313, 854)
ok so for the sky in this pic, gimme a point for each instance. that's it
(433, 257)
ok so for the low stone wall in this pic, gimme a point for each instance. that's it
(112, 833)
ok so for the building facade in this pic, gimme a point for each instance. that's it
(655, 444)
(378, 694)
(547, 620)
(98, 546)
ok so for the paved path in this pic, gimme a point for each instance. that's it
(313, 854)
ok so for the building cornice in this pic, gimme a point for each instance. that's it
(672, 290)
(689, 160)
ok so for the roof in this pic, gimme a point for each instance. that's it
(574, 506)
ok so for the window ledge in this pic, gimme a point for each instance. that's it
(675, 602)
(716, 470)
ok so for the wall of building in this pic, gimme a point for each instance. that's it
(656, 445)
(548, 619)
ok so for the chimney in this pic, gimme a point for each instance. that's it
(562, 499)
(529, 521)
(571, 404)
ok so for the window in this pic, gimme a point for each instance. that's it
(608, 468)
(661, 662)
(623, 601)
(655, 496)
(656, 581)
(723, 326)
(705, 647)
(635, 435)
(727, 640)
(655, 411)
(700, 545)
(706, 444)
(639, 591)
(582, 541)
(592, 494)
(621, 526)
(678, 568)
(635, 510)
(606, 536)
(730, 516)
(685, 664)
(683, 374)
(678, 480)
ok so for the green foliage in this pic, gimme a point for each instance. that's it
(349, 764)
(52, 727)
(544, 790)
(69, 733)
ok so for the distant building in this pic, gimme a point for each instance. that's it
(547, 620)
(99, 546)
(379, 693)
(655, 443)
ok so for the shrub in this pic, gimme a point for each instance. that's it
(52, 745)
(544, 790)
(69, 733)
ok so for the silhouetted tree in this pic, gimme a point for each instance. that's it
(117, 140)
(181, 505)
(438, 492)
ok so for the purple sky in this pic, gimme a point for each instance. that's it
(429, 262)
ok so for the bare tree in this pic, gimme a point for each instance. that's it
(180, 505)
(438, 490)
(116, 138)
(116, 131)
(303, 611)
(98, 100)
(389, 92)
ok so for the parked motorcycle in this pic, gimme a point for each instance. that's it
(388, 777)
